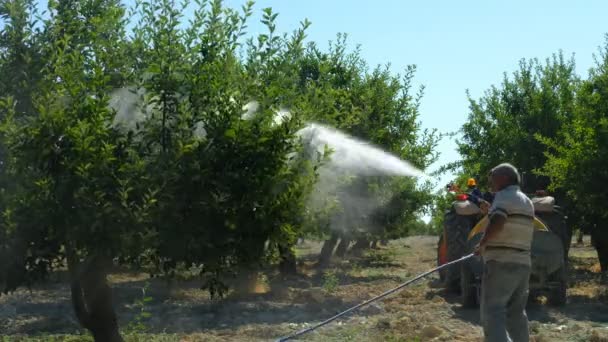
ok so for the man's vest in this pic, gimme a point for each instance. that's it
(519, 227)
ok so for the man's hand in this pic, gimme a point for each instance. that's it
(479, 249)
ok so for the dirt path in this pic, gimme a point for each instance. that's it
(182, 312)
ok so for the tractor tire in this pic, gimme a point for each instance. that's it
(469, 291)
(556, 222)
(457, 228)
(558, 294)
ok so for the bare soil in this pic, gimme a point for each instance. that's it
(180, 311)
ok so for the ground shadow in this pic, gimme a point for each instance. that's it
(35, 317)
(303, 302)
(293, 299)
(591, 307)
(351, 261)
(536, 311)
(173, 316)
(47, 324)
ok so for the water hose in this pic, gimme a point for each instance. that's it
(331, 319)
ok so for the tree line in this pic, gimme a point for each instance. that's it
(551, 123)
(183, 179)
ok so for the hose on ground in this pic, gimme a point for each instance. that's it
(369, 301)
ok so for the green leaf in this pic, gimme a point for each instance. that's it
(230, 133)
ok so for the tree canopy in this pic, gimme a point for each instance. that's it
(134, 136)
(548, 122)
(576, 154)
(505, 123)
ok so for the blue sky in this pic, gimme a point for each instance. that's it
(457, 45)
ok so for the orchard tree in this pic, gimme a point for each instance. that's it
(192, 184)
(272, 70)
(188, 179)
(376, 106)
(504, 123)
(76, 199)
(20, 66)
(577, 155)
(223, 194)
(20, 53)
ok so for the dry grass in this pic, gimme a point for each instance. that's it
(278, 306)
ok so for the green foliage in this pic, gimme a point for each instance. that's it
(138, 325)
(442, 203)
(504, 124)
(158, 195)
(374, 105)
(576, 156)
(71, 173)
(184, 180)
(510, 121)
(225, 194)
(551, 125)
(21, 55)
(330, 281)
(419, 227)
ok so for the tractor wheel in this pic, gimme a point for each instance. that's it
(556, 222)
(457, 228)
(469, 291)
(558, 294)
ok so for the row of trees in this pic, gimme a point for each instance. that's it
(551, 124)
(179, 177)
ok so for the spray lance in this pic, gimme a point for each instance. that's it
(369, 301)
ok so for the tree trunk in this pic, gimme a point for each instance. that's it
(343, 246)
(287, 266)
(327, 250)
(92, 298)
(375, 244)
(600, 242)
(361, 244)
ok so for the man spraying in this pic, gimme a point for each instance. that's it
(505, 249)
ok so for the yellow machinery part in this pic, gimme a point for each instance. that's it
(481, 226)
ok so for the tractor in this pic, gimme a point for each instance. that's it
(464, 225)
